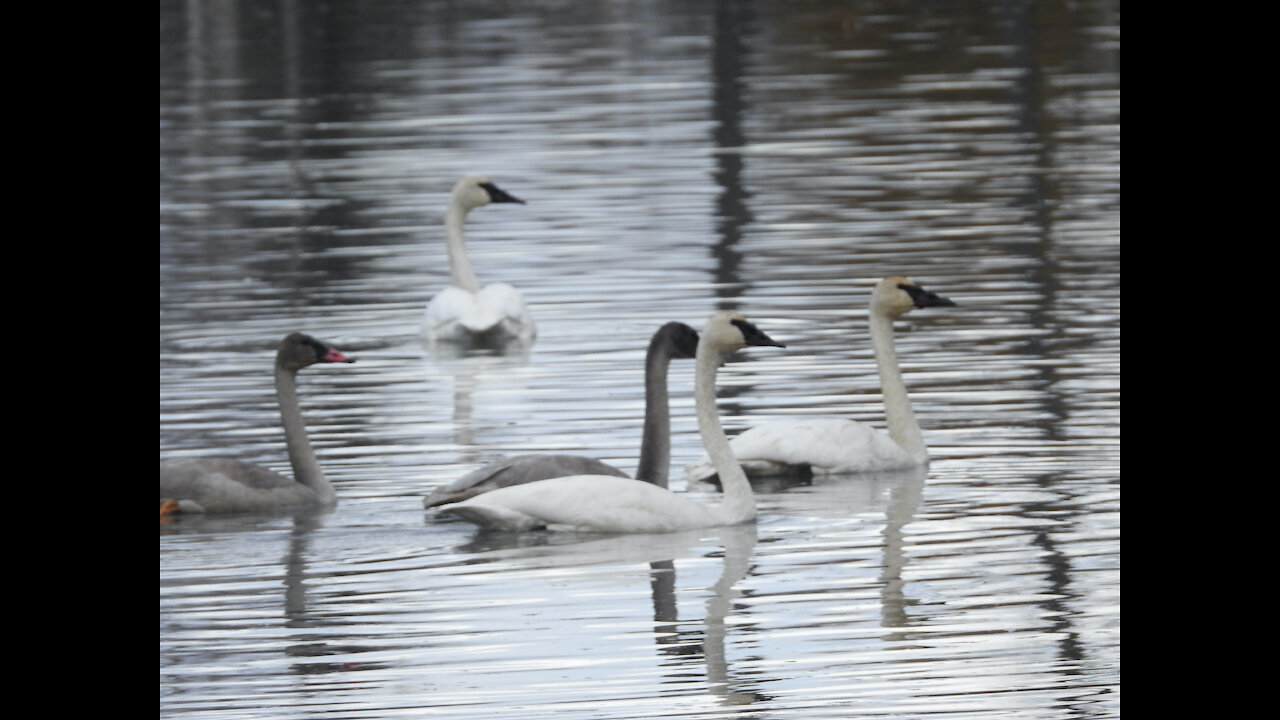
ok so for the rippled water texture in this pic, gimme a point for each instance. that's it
(676, 157)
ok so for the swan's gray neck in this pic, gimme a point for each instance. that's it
(306, 469)
(460, 271)
(655, 443)
(899, 417)
(739, 503)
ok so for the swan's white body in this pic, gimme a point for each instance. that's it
(826, 445)
(604, 503)
(217, 484)
(464, 311)
(672, 340)
(838, 445)
(496, 310)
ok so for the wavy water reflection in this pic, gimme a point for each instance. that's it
(777, 158)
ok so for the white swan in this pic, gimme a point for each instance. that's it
(604, 503)
(672, 340)
(838, 445)
(219, 484)
(464, 311)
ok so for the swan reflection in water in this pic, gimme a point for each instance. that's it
(662, 552)
(837, 503)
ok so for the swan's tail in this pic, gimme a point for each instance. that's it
(498, 518)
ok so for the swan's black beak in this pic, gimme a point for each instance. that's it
(923, 298)
(754, 336)
(497, 194)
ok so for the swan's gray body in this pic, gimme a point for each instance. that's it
(220, 484)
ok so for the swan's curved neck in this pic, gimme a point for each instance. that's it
(460, 271)
(655, 443)
(306, 469)
(897, 406)
(739, 503)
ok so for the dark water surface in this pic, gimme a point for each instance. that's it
(677, 158)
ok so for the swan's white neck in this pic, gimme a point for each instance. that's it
(739, 503)
(460, 271)
(306, 469)
(897, 406)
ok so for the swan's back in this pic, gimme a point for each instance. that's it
(595, 503)
(498, 309)
(517, 470)
(826, 445)
(187, 473)
(219, 484)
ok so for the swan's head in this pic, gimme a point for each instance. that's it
(475, 191)
(896, 295)
(680, 339)
(299, 350)
(729, 331)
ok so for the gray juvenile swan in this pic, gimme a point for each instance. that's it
(464, 311)
(672, 340)
(840, 445)
(605, 503)
(228, 485)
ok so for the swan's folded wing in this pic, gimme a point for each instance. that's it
(827, 445)
(445, 310)
(183, 477)
(214, 484)
(501, 304)
(497, 517)
(599, 503)
(497, 307)
(517, 470)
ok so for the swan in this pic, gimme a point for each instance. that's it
(464, 311)
(672, 340)
(218, 484)
(837, 445)
(606, 503)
